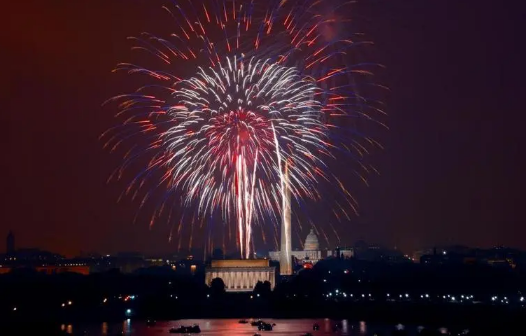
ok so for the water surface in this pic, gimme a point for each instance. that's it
(233, 327)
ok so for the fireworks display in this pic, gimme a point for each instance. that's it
(243, 89)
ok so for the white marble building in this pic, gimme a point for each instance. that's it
(241, 275)
(311, 251)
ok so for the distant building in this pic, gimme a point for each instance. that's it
(129, 262)
(343, 252)
(375, 253)
(497, 257)
(241, 275)
(155, 261)
(77, 268)
(311, 252)
(36, 256)
(51, 269)
(187, 266)
(10, 243)
(417, 255)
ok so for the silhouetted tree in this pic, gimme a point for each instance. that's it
(217, 286)
(262, 288)
(218, 254)
(258, 288)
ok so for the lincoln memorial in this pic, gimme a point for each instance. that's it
(241, 275)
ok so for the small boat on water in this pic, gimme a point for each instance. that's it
(150, 323)
(243, 321)
(256, 323)
(315, 326)
(185, 330)
(307, 334)
(265, 326)
(429, 332)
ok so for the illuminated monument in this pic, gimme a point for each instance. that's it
(311, 252)
(285, 257)
(241, 275)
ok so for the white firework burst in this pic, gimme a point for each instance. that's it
(232, 125)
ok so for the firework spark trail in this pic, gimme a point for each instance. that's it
(206, 140)
(257, 83)
(251, 204)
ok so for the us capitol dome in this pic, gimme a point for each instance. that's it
(311, 250)
(311, 242)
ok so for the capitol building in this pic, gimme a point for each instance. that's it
(310, 253)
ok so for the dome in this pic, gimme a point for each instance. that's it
(311, 243)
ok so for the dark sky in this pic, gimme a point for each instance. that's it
(452, 168)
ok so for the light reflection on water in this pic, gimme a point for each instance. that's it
(221, 327)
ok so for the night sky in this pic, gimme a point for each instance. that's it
(452, 170)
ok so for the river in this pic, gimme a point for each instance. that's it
(233, 327)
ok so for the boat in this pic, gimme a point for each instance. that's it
(256, 323)
(315, 326)
(150, 323)
(307, 334)
(428, 332)
(185, 330)
(265, 326)
(243, 321)
(256, 334)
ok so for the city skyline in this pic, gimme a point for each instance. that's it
(450, 171)
(299, 249)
